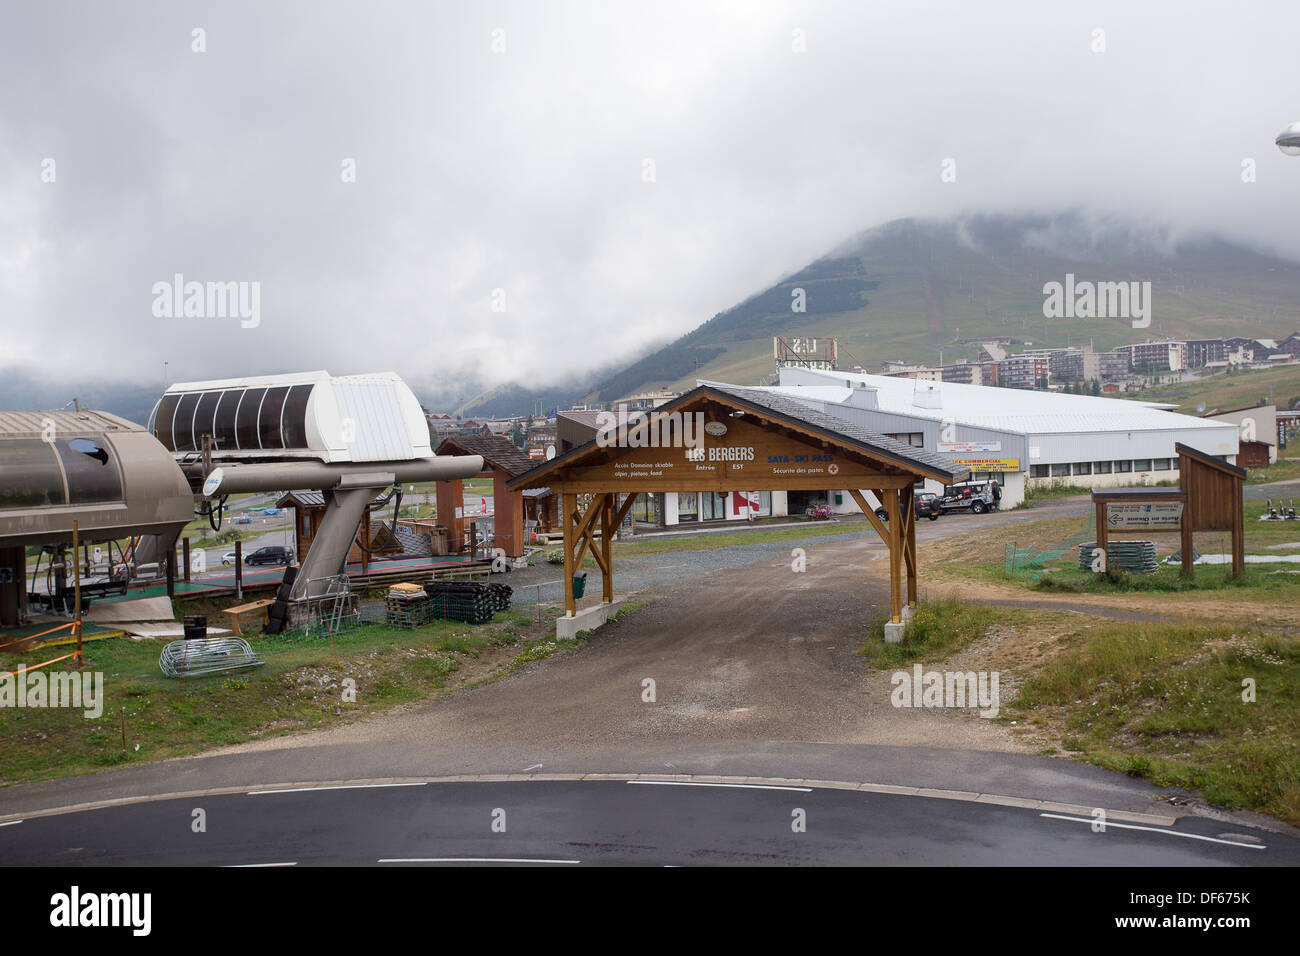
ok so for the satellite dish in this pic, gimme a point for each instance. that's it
(550, 452)
(1289, 140)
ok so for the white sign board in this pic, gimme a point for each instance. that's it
(1157, 516)
(967, 447)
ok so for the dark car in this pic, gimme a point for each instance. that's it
(273, 554)
(927, 506)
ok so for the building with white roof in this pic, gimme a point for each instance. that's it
(1020, 438)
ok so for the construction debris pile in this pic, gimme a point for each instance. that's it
(412, 605)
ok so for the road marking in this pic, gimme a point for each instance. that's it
(349, 786)
(475, 859)
(739, 786)
(252, 866)
(1132, 826)
(535, 766)
(10, 823)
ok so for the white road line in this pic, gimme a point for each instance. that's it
(535, 766)
(473, 859)
(739, 786)
(1134, 826)
(350, 786)
(10, 823)
(253, 866)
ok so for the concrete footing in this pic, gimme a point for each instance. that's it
(567, 628)
(894, 632)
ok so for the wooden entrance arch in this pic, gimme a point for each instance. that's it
(724, 438)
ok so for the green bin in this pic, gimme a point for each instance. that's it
(579, 584)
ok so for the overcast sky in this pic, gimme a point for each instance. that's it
(504, 146)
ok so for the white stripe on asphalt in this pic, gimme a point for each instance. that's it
(739, 786)
(473, 859)
(252, 866)
(1133, 826)
(356, 786)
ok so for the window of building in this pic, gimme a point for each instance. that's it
(269, 417)
(32, 477)
(1141, 464)
(1083, 468)
(246, 419)
(1161, 464)
(1038, 471)
(688, 506)
(92, 472)
(1101, 467)
(183, 427)
(1122, 467)
(1061, 471)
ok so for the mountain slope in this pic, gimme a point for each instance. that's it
(910, 289)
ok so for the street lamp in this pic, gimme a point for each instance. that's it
(1289, 140)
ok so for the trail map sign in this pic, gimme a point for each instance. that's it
(1157, 516)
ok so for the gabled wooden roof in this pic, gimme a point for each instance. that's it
(783, 411)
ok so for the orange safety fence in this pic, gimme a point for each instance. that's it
(41, 664)
(32, 637)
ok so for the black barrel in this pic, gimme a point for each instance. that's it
(196, 626)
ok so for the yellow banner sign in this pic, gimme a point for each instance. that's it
(989, 464)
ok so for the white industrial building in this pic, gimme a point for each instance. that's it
(1021, 438)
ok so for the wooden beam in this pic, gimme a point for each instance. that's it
(895, 558)
(624, 508)
(607, 526)
(569, 507)
(908, 500)
(876, 523)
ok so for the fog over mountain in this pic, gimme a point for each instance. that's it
(485, 195)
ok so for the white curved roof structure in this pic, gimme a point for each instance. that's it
(344, 419)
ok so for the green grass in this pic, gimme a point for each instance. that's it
(1284, 469)
(1238, 389)
(939, 629)
(299, 688)
(1166, 703)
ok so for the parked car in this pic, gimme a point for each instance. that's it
(228, 558)
(243, 519)
(272, 554)
(927, 506)
(974, 496)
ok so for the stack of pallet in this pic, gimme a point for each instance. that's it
(1137, 556)
(407, 605)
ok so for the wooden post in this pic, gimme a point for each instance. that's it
(77, 585)
(185, 551)
(895, 557)
(171, 571)
(909, 509)
(239, 569)
(1103, 538)
(1185, 526)
(606, 546)
(568, 516)
(1238, 532)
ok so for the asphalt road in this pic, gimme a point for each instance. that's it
(647, 823)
